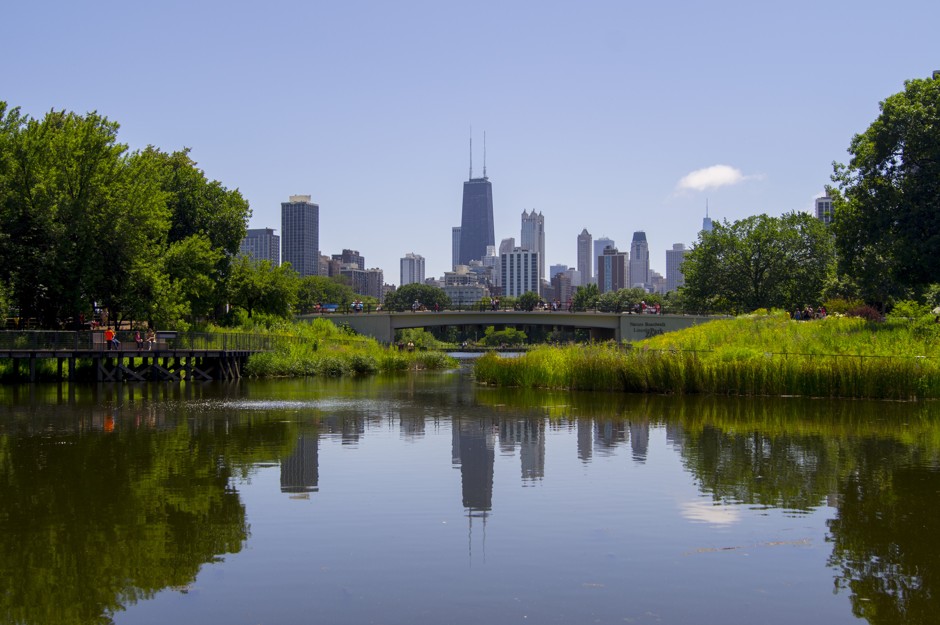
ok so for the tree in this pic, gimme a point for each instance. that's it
(585, 297)
(425, 294)
(528, 301)
(319, 290)
(887, 222)
(259, 287)
(759, 262)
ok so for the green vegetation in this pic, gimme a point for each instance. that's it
(751, 355)
(320, 348)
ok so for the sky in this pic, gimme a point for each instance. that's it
(613, 116)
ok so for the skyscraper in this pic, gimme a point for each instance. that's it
(824, 209)
(262, 244)
(300, 235)
(707, 221)
(639, 260)
(520, 272)
(533, 237)
(476, 221)
(674, 258)
(599, 245)
(412, 269)
(612, 270)
(585, 262)
(455, 247)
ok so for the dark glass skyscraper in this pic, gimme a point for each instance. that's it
(476, 222)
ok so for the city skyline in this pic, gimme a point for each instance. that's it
(614, 118)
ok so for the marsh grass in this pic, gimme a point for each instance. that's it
(322, 349)
(754, 355)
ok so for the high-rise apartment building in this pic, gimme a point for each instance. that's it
(262, 244)
(824, 209)
(533, 237)
(639, 261)
(585, 260)
(351, 257)
(674, 258)
(505, 246)
(412, 269)
(599, 246)
(612, 270)
(520, 272)
(300, 235)
(476, 223)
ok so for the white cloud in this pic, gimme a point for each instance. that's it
(712, 178)
(713, 514)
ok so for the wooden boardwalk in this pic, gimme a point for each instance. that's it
(173, 358)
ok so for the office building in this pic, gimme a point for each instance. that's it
(454, 246)
(674, 258)
(520, 272)
(707, 221)
(351, 257)
(533, 237)
(412, 269)
(585, 259)
(476, 220)
(262, 244)
(612, 270)
(505, 246)
(300, 235)
(599, 246)
(639, 261)
(824, 209)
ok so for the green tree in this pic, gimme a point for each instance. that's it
(507, 336)
(314, 290)
(259, 287)
(528, 301)
(886, 220)
(759, 262)
(426, 295)
(585, 297)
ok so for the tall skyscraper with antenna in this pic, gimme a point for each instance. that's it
(476, 221)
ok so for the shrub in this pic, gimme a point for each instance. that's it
(868, 313)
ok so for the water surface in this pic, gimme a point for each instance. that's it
(426, 499)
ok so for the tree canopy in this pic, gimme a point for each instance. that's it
(426, 295)
(887, 221)
(759, 262)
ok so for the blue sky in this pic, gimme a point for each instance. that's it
(594, 112)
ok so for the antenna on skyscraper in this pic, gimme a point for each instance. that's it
(484, 154)
(471, 151)
(706, 207)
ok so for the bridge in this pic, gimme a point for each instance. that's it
(174, 357)
(601, 326)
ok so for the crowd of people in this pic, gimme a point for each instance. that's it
(807, 312)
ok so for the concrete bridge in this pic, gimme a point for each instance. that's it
(602, 326)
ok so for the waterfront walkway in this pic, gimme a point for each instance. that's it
(173, 357)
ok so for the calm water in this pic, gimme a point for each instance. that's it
(424, 499)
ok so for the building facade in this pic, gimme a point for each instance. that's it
(262, 244)
(533, 237)
(613, 270)
(412, 269)
(454, 246)
(520, 272)
(476, 222)
(674, 258)
(300, 235)
(599, 246)
(824, 209)
(585, 258)
(639, 261)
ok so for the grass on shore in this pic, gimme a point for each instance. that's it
(751, 355)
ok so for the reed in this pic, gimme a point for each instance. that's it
(762, 355)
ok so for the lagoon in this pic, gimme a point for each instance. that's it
(425, 498)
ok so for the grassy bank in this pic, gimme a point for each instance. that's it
(322, 349)
(753, 355)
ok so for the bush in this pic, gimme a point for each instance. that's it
(868, 313)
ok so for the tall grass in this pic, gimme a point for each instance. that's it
(765, 355)
(320, 348)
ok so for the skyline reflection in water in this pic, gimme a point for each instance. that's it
(427, 499)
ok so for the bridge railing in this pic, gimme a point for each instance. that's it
(51, 340)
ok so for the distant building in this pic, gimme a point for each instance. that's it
(520, 272)
(300, 235)
(412, 269)
(562, 289)
(455, 246)
(351, 257)
(505, 246)
(657, 282)
(533, 237)
(824, 209)
(639, 261)
(585, 259)
(466, 295)
(262, 244)
(599, 246)
(612, 270)
(476, 223)
(368, 282)
(674, 258)
(707, 221)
